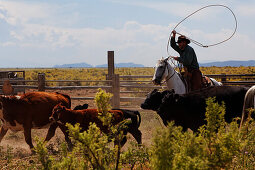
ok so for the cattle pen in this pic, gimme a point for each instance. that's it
(128, 90)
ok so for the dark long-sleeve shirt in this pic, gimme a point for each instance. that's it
(187, 56)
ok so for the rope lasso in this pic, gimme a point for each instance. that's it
(196, 42)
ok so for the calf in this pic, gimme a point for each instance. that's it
(188, 110)
(84, 117)
(30, 111)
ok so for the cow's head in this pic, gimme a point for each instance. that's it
(154, 99)
(56, 112)
(171, 99)
(81, 107)
(169, 103)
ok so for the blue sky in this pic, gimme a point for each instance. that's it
(44, 33)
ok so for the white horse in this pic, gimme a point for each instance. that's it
(249, 102)
(164, 71)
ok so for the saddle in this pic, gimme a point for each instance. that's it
(206, 81)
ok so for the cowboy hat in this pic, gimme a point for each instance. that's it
(183, 38)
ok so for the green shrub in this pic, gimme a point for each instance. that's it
(215, 146)
(93, 148)
(135, 154)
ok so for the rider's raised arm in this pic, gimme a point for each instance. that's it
(174, 46)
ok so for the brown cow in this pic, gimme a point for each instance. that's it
(30, 111)
(84, 117)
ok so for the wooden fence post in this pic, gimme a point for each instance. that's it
(116, 91)
(110, 58)
(41, 82)
(110, 63)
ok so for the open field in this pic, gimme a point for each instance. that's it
(100, 73)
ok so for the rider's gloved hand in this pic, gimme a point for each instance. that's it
(174, 33)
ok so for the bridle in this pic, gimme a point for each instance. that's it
(167, 78)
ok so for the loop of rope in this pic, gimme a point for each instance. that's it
(196, 42)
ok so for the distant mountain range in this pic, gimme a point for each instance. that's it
(231, 63)
(123, 65)
(209, 64)
(74, 65)
(78, 65)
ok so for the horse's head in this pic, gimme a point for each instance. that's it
(160, 71)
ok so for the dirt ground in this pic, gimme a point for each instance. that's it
(150, 122)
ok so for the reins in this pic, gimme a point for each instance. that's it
(196, 42)
(168, 73)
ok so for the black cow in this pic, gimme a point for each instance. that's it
(81, 107)
(188, 110)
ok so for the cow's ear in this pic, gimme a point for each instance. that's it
(155, 90)
(166, 92)
(172, 91)
(1, 98)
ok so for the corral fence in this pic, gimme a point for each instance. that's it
(128, 90)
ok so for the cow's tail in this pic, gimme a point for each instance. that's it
(139, 117)
(132, 115)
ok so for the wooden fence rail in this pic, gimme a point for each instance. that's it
(119, 87)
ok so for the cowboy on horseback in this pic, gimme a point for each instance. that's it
(188, 58)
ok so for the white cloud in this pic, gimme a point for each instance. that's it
(134, 41)
(6, 44)
(246, 10)
(14, 11)
(180, 9)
